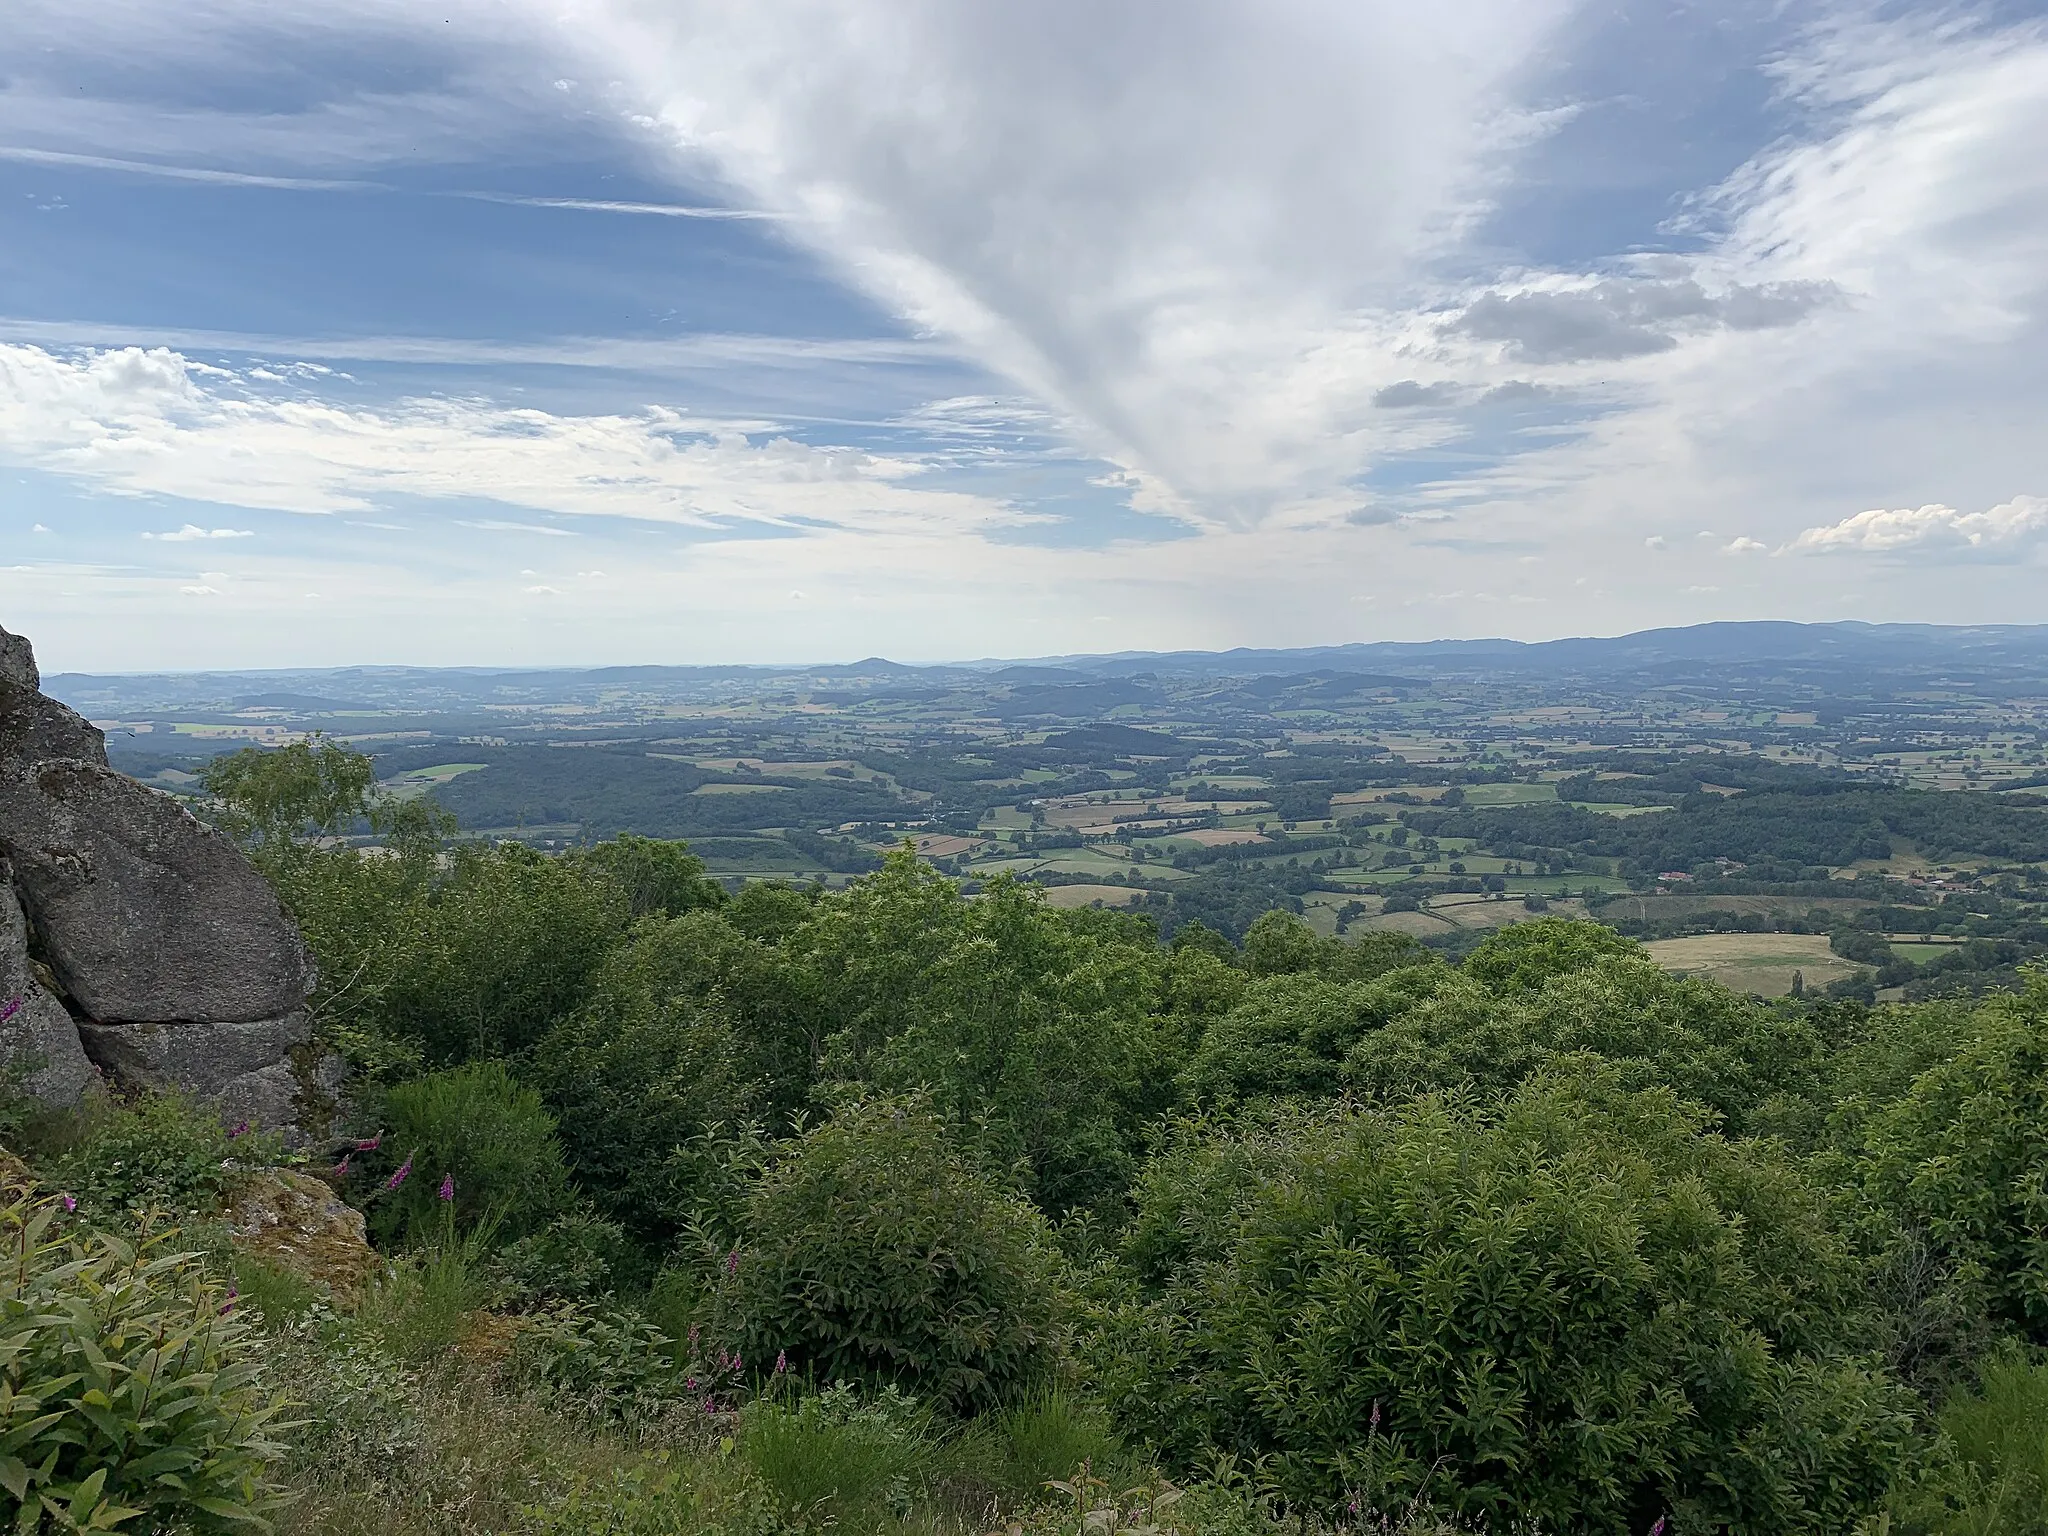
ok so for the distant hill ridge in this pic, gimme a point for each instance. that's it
(1922, 649)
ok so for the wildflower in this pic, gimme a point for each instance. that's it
(70, 1204)
(1374, 1423)
(709, 1405)
(228, 1305)
(732, 1262)
(9, 1009)
(371, 1145)
(447, 1186)
(1658, 1528)
(781, 1362)
(689, 1384)
(341, 1168)
(241, 1130)
(399, 1177)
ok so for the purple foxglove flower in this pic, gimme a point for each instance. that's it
(341, 1169)
(732, 1262)
(69, 1203)
(447, 1186)
(399, 1177)
(781, 1362)
(9, 1009)
(371, 1145)
(239, 1131)
(229, 1305)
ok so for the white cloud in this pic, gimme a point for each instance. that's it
(191, 531)
(1931, 529)
(136, 422)
(1192, 231)
(494, 525)
(1745, 546)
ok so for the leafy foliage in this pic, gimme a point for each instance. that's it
(875, 1253)
(159, 1154)
(488, 1137)
(1574, 1308)
(1964, 1154)
(128, 1388)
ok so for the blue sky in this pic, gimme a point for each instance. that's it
(649, 330)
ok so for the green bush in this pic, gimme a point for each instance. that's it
(1289, 1033)
(608, 1364)
(1989, 1474)
(1964, 1157)
(635, 1081)
(575, 1257)
(475, 1133)
(1573, 1309)
(875, 1254)
(162, 1154)
(1523, 956)
(654, 874)
(1704, 1042)
(128, 1387)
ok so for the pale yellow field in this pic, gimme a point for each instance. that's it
(1088, 895)
(939, 845)
(1217, 837)
(1753, 962)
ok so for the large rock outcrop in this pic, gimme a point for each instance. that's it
(132, 936)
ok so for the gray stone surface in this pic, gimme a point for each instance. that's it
(134, 940)
(18, 662)
(143, 913)
(244, 1070)
(40, 1053)
(33, 727)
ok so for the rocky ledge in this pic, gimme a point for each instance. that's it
(136, 942)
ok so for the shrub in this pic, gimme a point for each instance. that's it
(635, 1081)
(1289, 1034)
(1964, 1157)
(128, 1387)
(576, 1256)
(654, 875)
(162, 1153)
(876, 1254)
(612, 1364)
(1520, 958)
(1989, 1474)
(475, 1132)
(1700, 1039)
(1572, 1309)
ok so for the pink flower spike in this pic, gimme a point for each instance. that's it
(399, 1177)
(229, 1305)
(70, 1204)
(239, 1131)
(732, 1262)
(447, 1186)
(9, 1009)
(781, 1362)
(1658, 1528)
(371, 1145)
(341, 1169)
